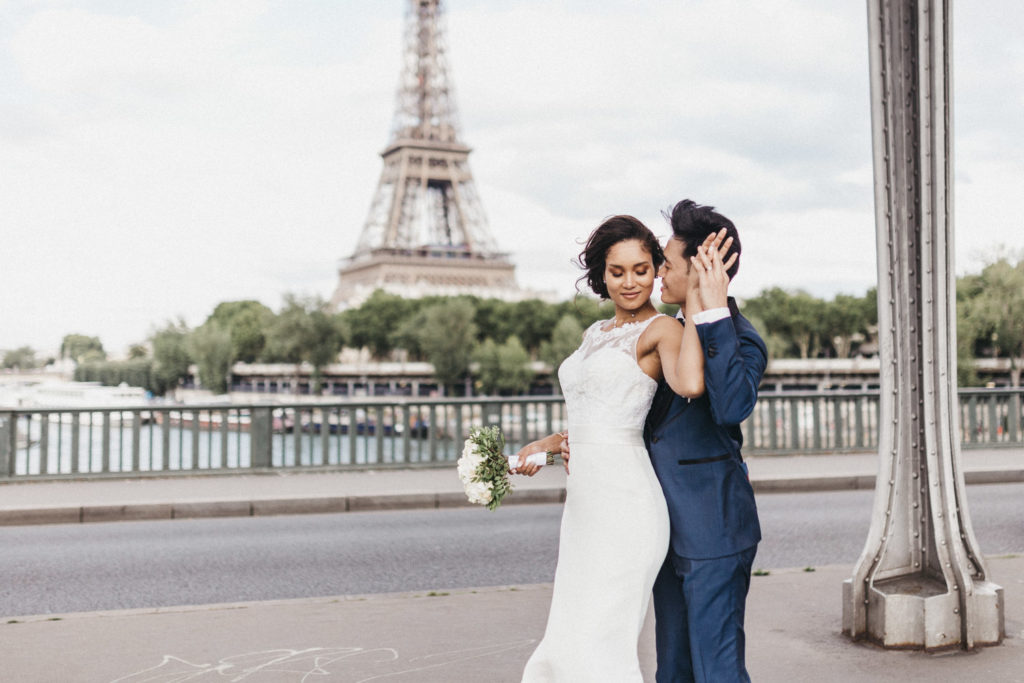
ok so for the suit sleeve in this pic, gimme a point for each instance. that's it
(735, 358)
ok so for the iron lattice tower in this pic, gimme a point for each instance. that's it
(426, 232)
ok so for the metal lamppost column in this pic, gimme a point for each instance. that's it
(921, 581)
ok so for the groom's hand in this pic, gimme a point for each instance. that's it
(712, 272)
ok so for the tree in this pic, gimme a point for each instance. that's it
(407, 335)
(589, 310)
(967, 287)
(80, 348)
(503, 368)
(372, 325)
(991, 312)
(328, 337)
(493, 319)
(135, 372)
(23, 358)
(794, 316)
(304, 331)
(137, 351)
(532, 321)
(846, 318)
(806, 322)
(246, 322)
(778, 345)
(171, 358)
(447, 337)
(770, 307)
(211, 346)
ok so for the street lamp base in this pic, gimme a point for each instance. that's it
(918, 612)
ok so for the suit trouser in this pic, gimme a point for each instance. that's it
(699, 607)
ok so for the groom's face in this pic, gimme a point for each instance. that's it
(675, 274)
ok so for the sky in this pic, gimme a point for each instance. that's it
(158, 157)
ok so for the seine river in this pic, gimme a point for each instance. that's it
(204, 448)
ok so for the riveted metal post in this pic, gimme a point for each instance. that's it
(1013, 426)
(297, 417)
(261, 437)
(435, 433)
(378, 434)
(105, 436)
(136, 434)
(44, 443)
(921, 581)
(353, 426)
(75, 437)
(837, 430)
(993, 419)
(8, 442)
(325, 432)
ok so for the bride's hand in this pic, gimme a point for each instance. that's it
(554, 442)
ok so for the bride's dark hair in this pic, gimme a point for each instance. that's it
(614, 230)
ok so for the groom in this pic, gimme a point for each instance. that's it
(700, 593)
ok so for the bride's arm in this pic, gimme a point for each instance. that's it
(682, 358)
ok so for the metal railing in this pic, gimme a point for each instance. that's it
(166, 439)
(69, 442)
(847, 421)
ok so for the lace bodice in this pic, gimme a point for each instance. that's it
(601, 380)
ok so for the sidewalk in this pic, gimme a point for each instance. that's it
(290, 492)
(485, 635)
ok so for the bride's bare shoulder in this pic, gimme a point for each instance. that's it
(662, 328)
(665, 325)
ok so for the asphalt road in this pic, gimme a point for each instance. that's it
(84, 567)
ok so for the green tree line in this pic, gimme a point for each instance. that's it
(499, 339)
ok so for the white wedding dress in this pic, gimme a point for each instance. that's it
(615, 529)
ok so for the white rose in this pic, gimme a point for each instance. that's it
(467, 466)
(466, 470)
(478, 492)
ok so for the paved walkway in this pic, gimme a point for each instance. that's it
(453, 636)
(284, 492)
(485, 635)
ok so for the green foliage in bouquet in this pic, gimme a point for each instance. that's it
(493, 469)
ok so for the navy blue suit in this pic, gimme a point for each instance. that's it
(700, 593)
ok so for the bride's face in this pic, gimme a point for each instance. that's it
(629, 274)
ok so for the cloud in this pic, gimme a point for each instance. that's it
(159, 158)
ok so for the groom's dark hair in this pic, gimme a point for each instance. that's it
(692, 223)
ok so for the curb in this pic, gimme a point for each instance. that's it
(259, 508)
(405, 501)
(797, 484)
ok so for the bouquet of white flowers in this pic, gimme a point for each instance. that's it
(484, 470)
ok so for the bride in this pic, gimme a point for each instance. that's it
(615, 527)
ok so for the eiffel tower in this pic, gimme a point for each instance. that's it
(426, 232)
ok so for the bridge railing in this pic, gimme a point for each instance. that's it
(164, 439)
(167, 439)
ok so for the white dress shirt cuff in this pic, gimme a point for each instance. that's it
(711, 315)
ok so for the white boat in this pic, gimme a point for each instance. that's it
(75, 396)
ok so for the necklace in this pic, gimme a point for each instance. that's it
(620, 323)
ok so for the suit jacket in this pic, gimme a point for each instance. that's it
(695, 444)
